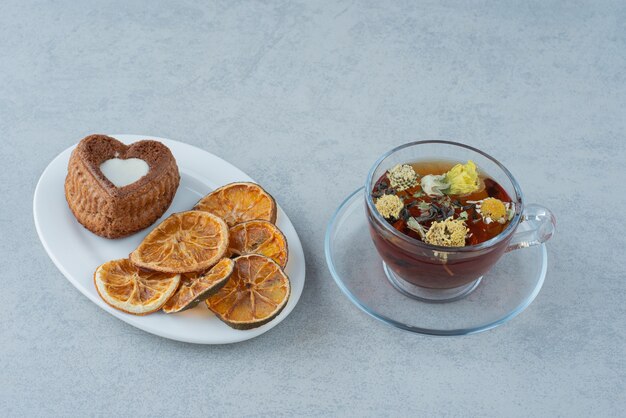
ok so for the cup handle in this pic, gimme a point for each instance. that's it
(543, 226)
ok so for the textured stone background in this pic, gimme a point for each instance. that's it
(304, 96)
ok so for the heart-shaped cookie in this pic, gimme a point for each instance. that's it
(114, 189)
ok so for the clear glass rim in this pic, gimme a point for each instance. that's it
(412, 241)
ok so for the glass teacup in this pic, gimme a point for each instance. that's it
(438, 274)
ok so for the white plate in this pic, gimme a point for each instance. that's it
(77, 252)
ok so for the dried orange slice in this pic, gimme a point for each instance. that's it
(195, 287)
(255, 294)
(258, 237)
(183, 243)
(239, 202)
(125, 287)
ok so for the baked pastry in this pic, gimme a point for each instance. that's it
(115, 190)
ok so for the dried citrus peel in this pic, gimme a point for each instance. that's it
(239, 202)
(127, 288)
(195, 288)
(256, 293)
(185, 242)
(258, 237)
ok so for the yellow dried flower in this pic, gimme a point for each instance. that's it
(493, 208)
(389, 206)
(448, 233)
(463, 179)
(402, 176)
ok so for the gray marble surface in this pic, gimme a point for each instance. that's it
(304, 96)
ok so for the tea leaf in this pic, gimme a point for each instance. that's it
(423, 205)
(413, 225)
(434, 185)
(510, 213)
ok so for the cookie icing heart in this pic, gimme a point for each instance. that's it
(112, 194)
(124, 172)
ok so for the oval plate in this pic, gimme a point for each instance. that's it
(77, 252)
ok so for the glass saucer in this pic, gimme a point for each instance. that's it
(354, 263)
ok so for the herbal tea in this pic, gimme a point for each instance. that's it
(443, 203)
